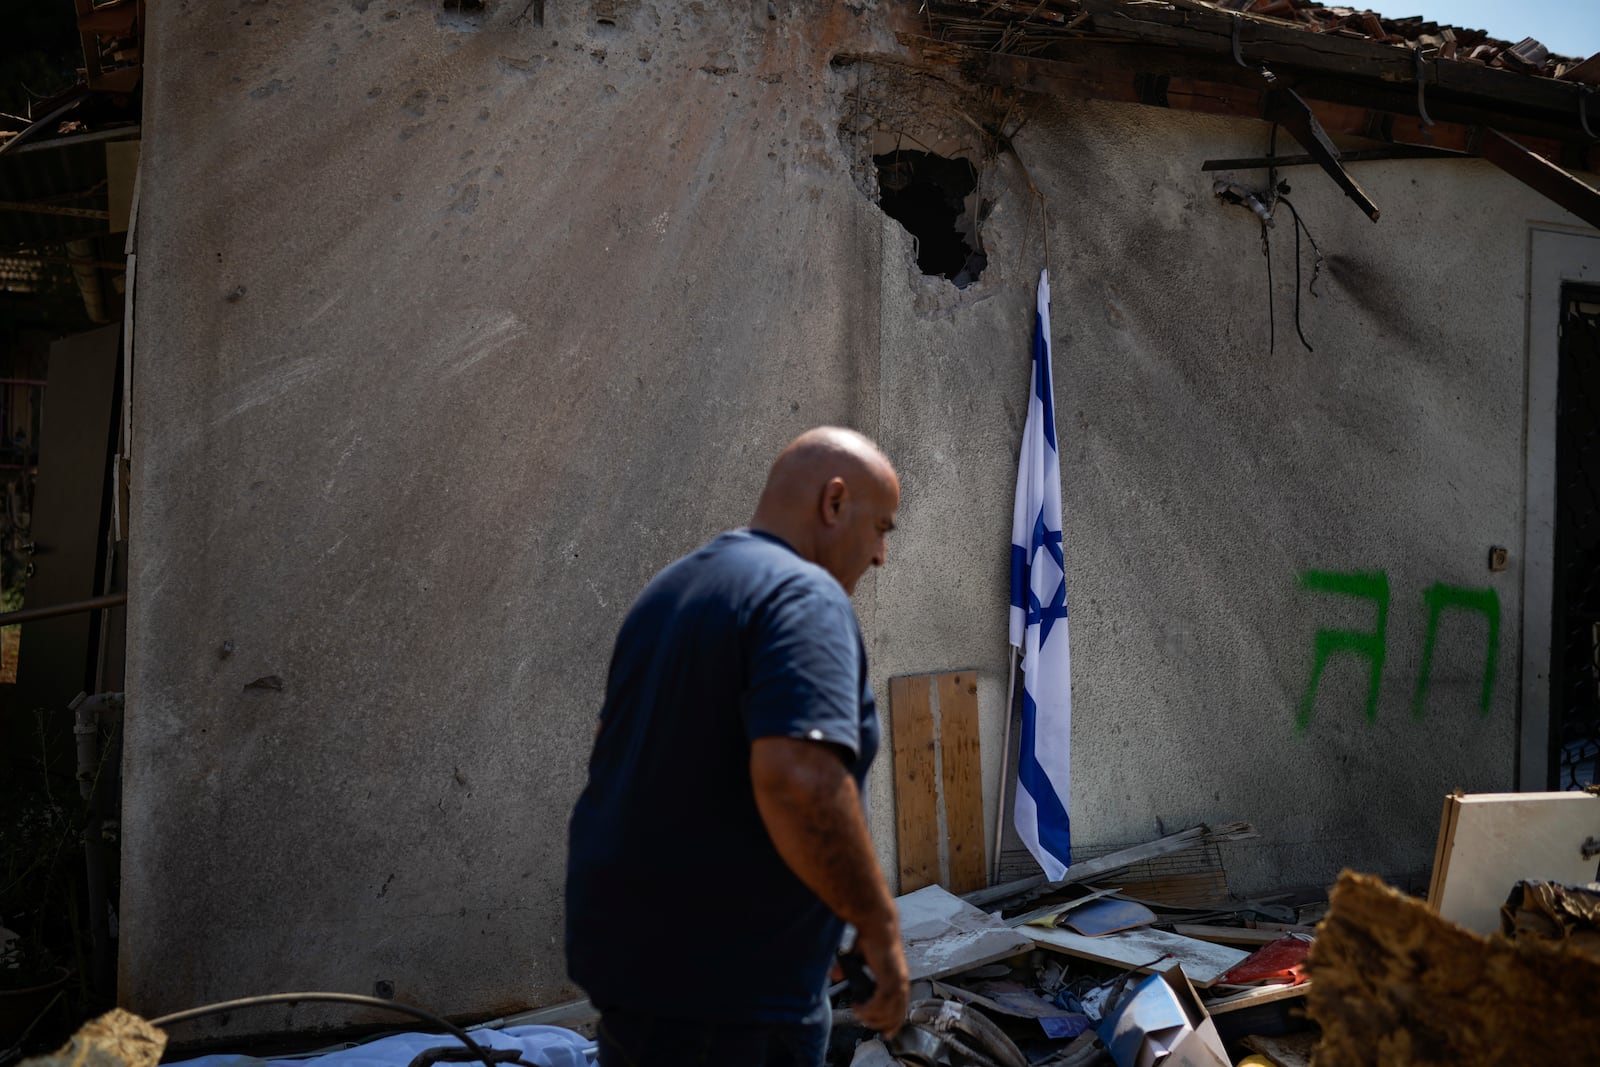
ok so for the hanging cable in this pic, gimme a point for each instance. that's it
(1266, 243)
(1316, 267)
(1272, 326)
(340, 998)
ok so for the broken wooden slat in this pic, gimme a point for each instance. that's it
(1255, 998)
(1368, 155)
(916, 802)
(963, 780)
(1226, 935)
(1542, 176)
(1285, 106)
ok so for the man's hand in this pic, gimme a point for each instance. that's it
(884, 956)
(812, 810)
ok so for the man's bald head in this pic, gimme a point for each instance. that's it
(832, 496)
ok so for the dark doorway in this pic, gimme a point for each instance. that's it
(1575, 633)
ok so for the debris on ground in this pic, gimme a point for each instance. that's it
(1394, 983)
(1091, 973)
(1082, 972)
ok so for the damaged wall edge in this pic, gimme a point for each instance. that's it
(1309, 121)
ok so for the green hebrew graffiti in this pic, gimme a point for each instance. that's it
(1439, 598)
(1371, 585)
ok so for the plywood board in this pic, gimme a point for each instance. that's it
(943, 934)
(1144, 950)
(963, 780)
(916, 801)
(1490, 841)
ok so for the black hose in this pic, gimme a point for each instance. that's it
(340, 998)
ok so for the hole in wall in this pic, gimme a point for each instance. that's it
(933, 198)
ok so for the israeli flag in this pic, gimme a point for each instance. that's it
(1039, 620)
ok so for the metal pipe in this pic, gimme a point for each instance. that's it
(1005, 768)
(76, 607)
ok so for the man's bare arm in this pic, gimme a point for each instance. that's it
(812, 810)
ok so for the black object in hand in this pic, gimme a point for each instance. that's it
(858, 979)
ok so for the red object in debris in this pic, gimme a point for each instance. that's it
(1278, 961)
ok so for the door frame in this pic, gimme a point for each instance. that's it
(1557, 256)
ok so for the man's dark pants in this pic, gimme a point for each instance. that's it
(630, 1039)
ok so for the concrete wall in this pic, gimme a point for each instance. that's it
(453, 330)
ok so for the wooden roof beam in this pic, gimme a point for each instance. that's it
(1542, 176)
(1245, 97)
(1294, 114)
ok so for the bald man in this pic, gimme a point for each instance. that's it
(721, 845)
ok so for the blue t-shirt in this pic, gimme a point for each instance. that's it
(677, 902)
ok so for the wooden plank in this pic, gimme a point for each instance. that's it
(963, 780)
(916, 803)
(1542, 176)
(1144, 950)
(943, 934)
(1255, 998)
(1502, 838)
(1441, 851)
(1286, 106)
(1226, 935)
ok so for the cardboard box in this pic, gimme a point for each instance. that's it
(1162, 1021)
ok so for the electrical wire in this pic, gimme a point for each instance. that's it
(1316, 268)
(338, 998)
(1272, 325)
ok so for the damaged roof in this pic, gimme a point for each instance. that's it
(1526, 56)
(1410, 84)
(1027, 26)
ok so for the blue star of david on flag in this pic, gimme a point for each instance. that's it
(1039, 619)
